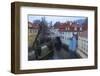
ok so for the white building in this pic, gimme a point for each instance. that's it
(83, 44)
(66, 31)
(54, 32)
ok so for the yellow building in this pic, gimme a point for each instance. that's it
(32, 33)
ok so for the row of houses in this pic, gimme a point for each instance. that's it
(65, 31)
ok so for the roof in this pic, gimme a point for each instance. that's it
(69, 27)
(33, 26)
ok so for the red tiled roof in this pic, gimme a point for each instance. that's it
(33, 26)
(62, 30)
(67, 27)
(30, 24)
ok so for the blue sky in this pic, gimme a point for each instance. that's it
(54, 19)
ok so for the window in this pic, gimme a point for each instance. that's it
(80, 28)
(30, 31)
(75, 28)
(68, 28)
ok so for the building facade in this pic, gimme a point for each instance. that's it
(83, 44)
(66, 31)
(32, 33)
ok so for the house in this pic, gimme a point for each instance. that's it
(66, 31)
(54, 30)
(32, 32)
(83, 43)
